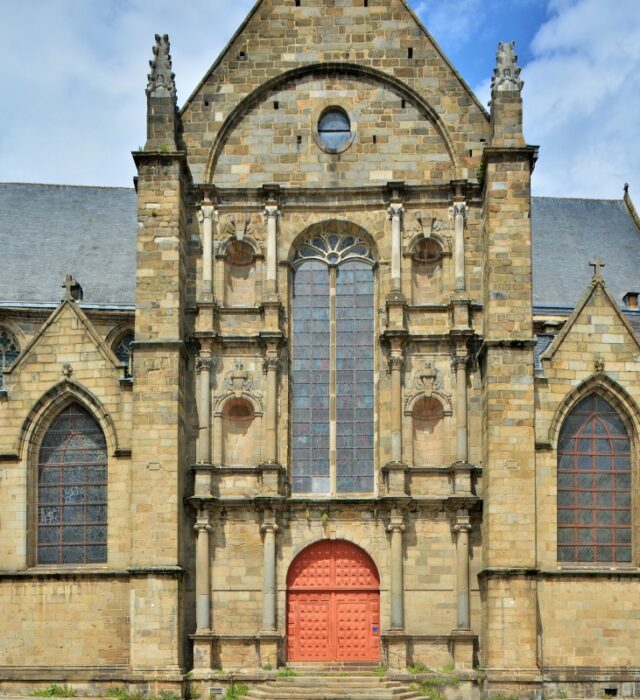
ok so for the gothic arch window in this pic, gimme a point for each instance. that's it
(594, 485)
(238, 433)
(240, 275)
(123, 350)
(9, 351)
(428, 427)
(332, 313)
(72, 490)
(426, 272)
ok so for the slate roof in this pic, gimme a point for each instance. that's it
(48, 231)
(568, 234)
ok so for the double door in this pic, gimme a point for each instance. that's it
(337, 625)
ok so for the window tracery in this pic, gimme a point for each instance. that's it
(332, 366)
(594, 485)
(72, 490)
(9, 351)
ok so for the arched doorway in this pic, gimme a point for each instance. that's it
(333, 604)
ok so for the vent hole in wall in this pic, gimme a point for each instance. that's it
(410, 52)
(297, 3)
(375, 139)
(403, 104)
(276, 104)
(299, 140)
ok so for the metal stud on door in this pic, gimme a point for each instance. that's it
(333, 604)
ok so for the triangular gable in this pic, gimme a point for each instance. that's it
(597, 284)
(224, 55)
(101, 346)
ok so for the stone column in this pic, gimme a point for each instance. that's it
(207, 216)
(271, 441)
(269, 528)
(462, 438)
(458, 215)
(204, 365)
(462, 528)
(396, 588)
(271, 215)
(396, 361)
(396, 212)
(203, 569)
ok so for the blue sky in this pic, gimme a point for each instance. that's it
(75, 71)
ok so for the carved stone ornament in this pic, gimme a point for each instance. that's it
(506, 74)
(458, 209)
(207, 211)
(270, 362)
(239, 380)
(67, 370)
(161, 78)
(204, 364)
(428, 380)
(421, 224)
(395, 210)
(240, 226)
(599, 364)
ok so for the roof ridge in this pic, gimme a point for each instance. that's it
(63, 185)
(577, 199)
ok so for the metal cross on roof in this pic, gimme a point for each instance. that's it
(597, 266)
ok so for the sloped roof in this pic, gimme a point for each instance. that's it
(49, 231)
(568, 234)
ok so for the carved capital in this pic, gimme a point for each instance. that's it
(204, 364)
(271, 363)
(269, 527)
(271, 212)
(396, 524)
(460, 361)
(207, 211)
(456, 210)
(202, 523)
(396, 362)
(395, 211)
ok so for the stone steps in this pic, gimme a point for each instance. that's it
(333, 687)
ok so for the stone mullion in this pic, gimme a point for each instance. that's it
(207, 216)
(333, 454)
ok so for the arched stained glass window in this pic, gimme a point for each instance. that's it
(9, 351)
(124, 352)
(594, 485)
(72, 490)
(332, 370)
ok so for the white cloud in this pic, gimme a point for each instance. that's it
(447, 24)
(582, 98)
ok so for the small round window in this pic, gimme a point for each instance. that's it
(334, 130)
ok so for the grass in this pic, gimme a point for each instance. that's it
(380, 671)
(418, 667)
(433, 687)
(286, 673)
(55, 691)
(237, 690)
(122, 694)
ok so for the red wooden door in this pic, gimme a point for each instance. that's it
(333, 604)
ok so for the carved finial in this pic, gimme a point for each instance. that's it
(72, 290)
(161, 79)
(626, 189)
(506, 74)
(597, 266)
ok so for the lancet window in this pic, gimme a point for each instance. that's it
(594, 485)
(332, 372)
(72, 490)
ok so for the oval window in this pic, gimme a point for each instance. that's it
(334, 129)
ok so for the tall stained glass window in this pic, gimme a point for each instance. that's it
(594, 485)
(332, 370)
(72, 491)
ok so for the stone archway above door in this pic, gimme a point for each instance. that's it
(333, 604)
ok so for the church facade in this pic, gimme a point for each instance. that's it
(307, 399)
